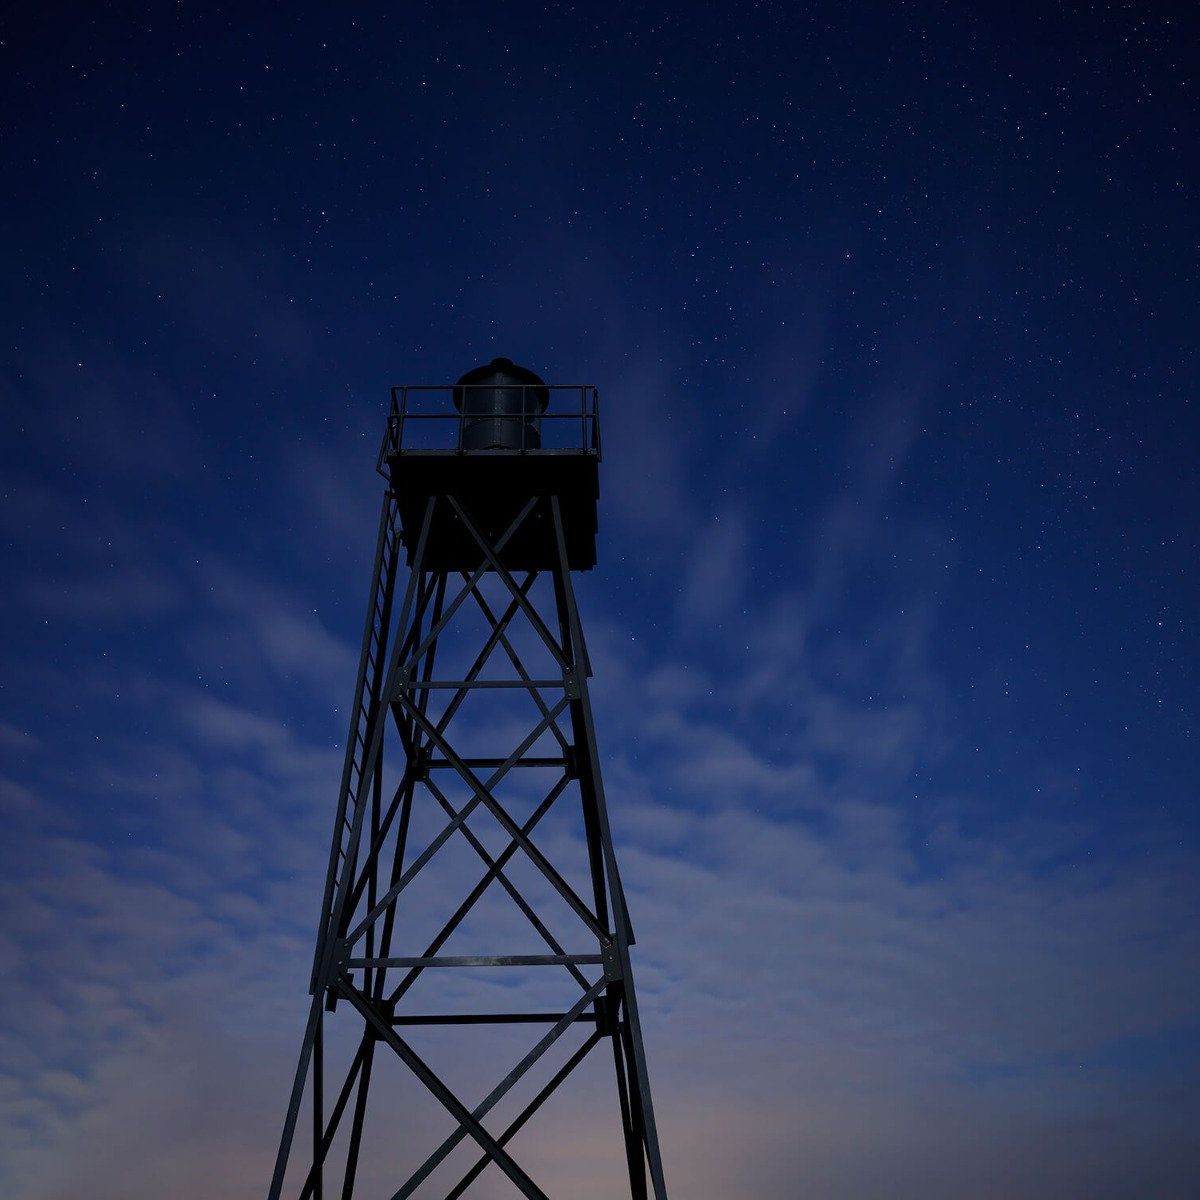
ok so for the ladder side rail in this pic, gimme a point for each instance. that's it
(382, 580)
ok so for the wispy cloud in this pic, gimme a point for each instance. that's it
(846, 973)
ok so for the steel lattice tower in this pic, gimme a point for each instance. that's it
(505, 505)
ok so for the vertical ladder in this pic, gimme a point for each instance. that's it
(363, 713)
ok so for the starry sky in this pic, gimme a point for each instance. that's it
(893, 311)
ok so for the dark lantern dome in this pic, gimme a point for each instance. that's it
(501, 404)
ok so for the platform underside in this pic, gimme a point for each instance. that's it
(494, 486)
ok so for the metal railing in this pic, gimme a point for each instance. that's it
(424, 419)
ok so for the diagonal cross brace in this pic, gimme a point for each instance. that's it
(494, 871)
(418, 1177)
(441, 1092)
(523, 904)
(527, 1112)
(395, 670)
(335, 1117)
(380, 838)
(481, 795)
(517, 663)
(488, 646)
(478, 890)
(476, 575)
(493, 560)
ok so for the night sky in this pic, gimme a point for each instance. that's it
(893, 313)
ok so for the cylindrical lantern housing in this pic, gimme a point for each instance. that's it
(501, 405)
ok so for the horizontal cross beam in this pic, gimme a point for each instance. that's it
(421, 685)
(560, 763)
(488, 1018)
(481, 960)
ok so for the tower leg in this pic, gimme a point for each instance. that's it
(293, 1112)
(622, 931)
(360, 1113)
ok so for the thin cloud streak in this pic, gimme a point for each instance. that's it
(994, 967)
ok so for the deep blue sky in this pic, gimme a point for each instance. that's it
(893, 311)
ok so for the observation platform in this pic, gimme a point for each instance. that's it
(493, 443)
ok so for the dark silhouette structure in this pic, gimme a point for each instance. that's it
(491, 501)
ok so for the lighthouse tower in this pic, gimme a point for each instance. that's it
(471, 781)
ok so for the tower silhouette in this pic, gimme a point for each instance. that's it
(472, 729)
